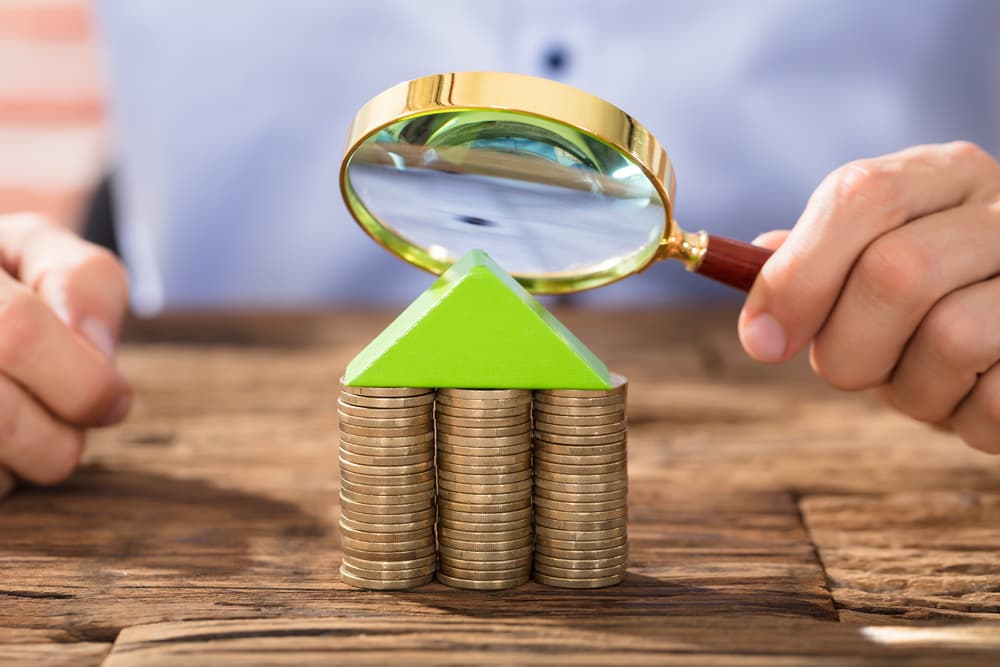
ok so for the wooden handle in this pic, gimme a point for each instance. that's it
(732, 263)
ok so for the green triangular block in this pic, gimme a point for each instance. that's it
(476, 327)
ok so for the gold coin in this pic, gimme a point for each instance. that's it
(559, 429)
(387, 460)
(579, 497)
(446, 532)
(522, 411)
(523, 403)
(456, 546)
(423, 448)
(393, 547)
(579, 451)
(579, 410)
(382, 528)
(446, 464)
(569, 420)
(549, 401)
(486, 516)
(483, 575)
(481, 527)
(385, 392)
(388, 442)
(589, 488)
(479, 448)
(543, 548)
(427, 464)
(549, 545)
(386, 490)
(444, 420)
(542, 454)
(491, 489)
(384, 575)
(386, 495)
(619, 385)
(580, 526)
(577, 536)
(454, 554)
(391, 565)
(600, 515)
(409, 517)
(398, 555)
(575, 469)
(460, 509)
(583, 507)
(568, 573)
(481, 394)
(479, 565)
(376, 422)
(384, 509)
(580, 564)
(426, 410)
(524, 474)
(387, 478)
(387, 432)
(616, 476)
(395, 403)
(402, 584)
(544, 439)
(370, 537)
(482, 585)
(560, 582)
(523, 430)
(482, 497)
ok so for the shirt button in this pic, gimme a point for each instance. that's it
(555, 59)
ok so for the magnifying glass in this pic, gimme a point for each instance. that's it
(565, 191)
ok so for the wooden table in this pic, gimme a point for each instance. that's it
(774, 521)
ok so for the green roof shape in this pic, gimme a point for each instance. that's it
(477, 328)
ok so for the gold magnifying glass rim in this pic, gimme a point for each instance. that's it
(530, 96)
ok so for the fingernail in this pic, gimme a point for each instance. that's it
(118, 410)
(97, 333)
(764, 338)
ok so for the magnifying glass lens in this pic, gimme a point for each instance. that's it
(542, 198)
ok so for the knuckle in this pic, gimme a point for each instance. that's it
(63, 464)
(952, 334)
(967, 151)
(893, 269)
(872, 183)
(21, 322)
(101, 265)
(835, 368)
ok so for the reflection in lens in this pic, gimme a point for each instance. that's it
(540, 197)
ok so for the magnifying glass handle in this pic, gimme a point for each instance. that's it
(731, 262)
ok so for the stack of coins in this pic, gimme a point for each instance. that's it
(484, 487)
(581, 487)
(387, 487)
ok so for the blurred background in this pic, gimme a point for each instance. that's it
(52, 141)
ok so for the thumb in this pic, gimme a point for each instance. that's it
(84, 285)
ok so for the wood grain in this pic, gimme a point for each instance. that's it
(216, 502)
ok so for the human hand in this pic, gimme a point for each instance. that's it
(61, 305)
(893, 274)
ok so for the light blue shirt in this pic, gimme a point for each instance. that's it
(230, 117)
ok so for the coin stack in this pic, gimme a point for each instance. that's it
(387, 487)
(484, 487)
(581, 487)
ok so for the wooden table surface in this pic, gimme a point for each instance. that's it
(774, 521)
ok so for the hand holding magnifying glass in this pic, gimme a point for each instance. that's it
(564, 190)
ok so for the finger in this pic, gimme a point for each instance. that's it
(800, 283)
(977, 420)
(34, 445)
(772, 239)
(85, 285)
(957, 341)
(69, 376)
(7, 483)
(895, 283)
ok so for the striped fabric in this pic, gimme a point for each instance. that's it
(51, 107)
